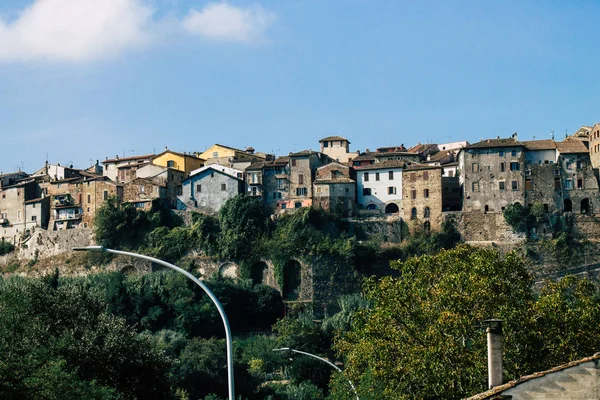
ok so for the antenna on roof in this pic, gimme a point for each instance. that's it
(552, 134)
(566, 133)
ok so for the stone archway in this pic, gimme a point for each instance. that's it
(585, 206)
(258, 272)
(229, 270)
(129, 269)
(292, 280)
(567, 205)
(392, 208)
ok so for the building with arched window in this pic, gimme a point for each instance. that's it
(422, 194)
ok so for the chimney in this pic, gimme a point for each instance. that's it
(117, 157)
(515, 137)
(494, 345)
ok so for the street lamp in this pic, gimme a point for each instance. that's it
(197, 282)
(322, 359)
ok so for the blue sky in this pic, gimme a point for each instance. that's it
(81, 80)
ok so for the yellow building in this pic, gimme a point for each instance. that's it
(218, 153)
(185, 163)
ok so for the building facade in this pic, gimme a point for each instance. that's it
(379, 187)
(335, 189)
(337, 148)
(422, 196)
(492, 174)
(208, 188)
(182, 162)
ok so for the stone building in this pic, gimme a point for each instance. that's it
(21, 210)
(492, 174)
(395, 153)
(269, 181)
(335, 189)
(75, 201)
(124, 169)
(579, 182)
(169, 178)
(302, 169)
(208, 188)
(576, 380)
(229, 156)
(337, 147)
(422, 196)
(379, 187)
(363, 159)
(145, 194)
(594, 145)
(11, 178)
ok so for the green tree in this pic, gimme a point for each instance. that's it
(5, 247)
(120, 226)
(422, 337)
(242, 221)
(57, 341)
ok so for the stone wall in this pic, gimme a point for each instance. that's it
(478, 226)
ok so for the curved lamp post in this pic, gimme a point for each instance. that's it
(197, 282)
(322, 359)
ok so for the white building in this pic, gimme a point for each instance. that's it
(379, 186)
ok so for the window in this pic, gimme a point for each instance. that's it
(88, 209)
(425, 176)
(170, 164)
(391, 173)
(501, 185)
(300, 179)
(366, 191)
(179, 190)
(347, 190)
(301, 191)
(105, 195)
(326, 144)
(216, 154)
(212, 174)
(569, 184)
(293, 162)
(239, 175)
(223, 186)
(18, 214)
(199, 188)
(283, 206)
(413, 194)
(142, 189)
(513, 153)
(34, 218)
(578, 164)
(413, 177)
(426, 193)
(515, 166)
(579, 183)
(502, 167)
(280, 183)
(427, 212)
(569, 165)
(501, 153)
(413, 213)
(391, 190)
(528, 184)
(474, 167)
(475, 186)
(376, 176)
(556, 183)
(33, 205)
(366, 177)
(319, 190)
(450, 173)
(515, 185)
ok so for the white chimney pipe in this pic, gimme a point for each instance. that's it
(494, 345)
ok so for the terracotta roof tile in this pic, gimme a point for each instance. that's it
(113, 160)
(546, 144)
(490, 143)
(330, 138)
(571, 145)
(383, 165)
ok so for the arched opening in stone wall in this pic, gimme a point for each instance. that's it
(427, 226)
(129, 269)
(392, 208)
(427, 212)
(585, 206)
(413, 213)
(567, 205)
(297, 204)
(292, 279)
(257, 272)
(229, 270)
(371, 207)
(486, 208)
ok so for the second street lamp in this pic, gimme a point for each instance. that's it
(197, 282)
(321, 359)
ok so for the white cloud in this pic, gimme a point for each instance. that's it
(75, 30)
(85, 30)
(224, 22)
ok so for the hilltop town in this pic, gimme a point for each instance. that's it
(419, 184)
